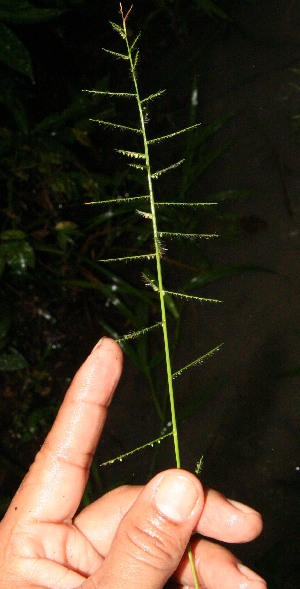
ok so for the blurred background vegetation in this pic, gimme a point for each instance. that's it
(56, 298)
(53, 160)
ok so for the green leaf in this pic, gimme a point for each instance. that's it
(209, 276)
(12, 103)
(210, 8)
(232, 194)
(16, 252)
(12, 360)
(204, 162)
(21, 12)
(151, 281)
(12, 234)
(205, 132)
(13, 53)
(194, 403)
(170, 305)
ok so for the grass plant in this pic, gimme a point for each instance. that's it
(140, 159)
(49, 249)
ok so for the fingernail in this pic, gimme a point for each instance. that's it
(241, 506)
(249, 574)
(98, 344)
(176, 497)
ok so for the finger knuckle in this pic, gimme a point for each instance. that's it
(153, 545)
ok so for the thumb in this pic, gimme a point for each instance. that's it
(152, 537)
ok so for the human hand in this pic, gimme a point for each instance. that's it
(133, 536)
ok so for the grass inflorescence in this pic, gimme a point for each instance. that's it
(141, 161)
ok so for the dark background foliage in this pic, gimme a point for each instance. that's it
(57, 299)
(53, 160)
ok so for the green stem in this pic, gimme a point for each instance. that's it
(157, 255)
(159, 277)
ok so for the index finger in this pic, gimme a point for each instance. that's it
(53, 487)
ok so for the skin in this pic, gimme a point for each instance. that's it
(131, 537)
